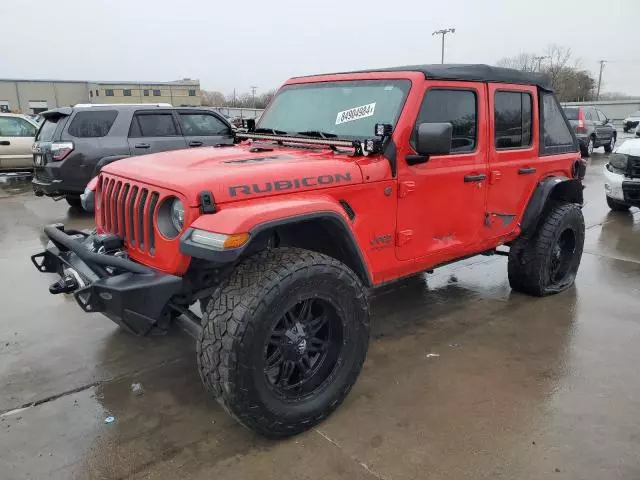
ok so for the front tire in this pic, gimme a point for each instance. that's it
(283, 340)
(547, 262)
(74, 201)
(608, 148)
(617, 205)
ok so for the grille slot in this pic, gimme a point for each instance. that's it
(123, 210)
(152, 235)
(114, 211)
(141, 204)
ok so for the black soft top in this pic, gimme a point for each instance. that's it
(471, 72)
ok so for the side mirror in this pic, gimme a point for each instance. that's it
(434, 139)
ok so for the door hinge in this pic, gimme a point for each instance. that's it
(403, 236)
(406, 188)
(494, 177)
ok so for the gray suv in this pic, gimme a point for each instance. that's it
(592, 128)
(74, 143)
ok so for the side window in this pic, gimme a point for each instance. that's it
(202, 124)
(458, 107)
(513, 119)
(92, 124)
(601, 116)
(126, 92)
(153, 125)
(108, 92)
(556, 135)
(16, 127)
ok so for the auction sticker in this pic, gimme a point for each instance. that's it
(355, 113)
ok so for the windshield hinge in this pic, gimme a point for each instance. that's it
(207, 204)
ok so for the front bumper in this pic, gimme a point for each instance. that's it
(132, 295)
(621, 188)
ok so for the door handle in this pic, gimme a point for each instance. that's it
(142, 145)
(5, 142)
(526, 170)
(474, 178)
(195, 143)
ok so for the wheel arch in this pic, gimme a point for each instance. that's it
(561, 189)
(324, 232)
(106, 161)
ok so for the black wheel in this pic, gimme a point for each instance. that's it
(74, 201)
(608, 148)
(284, 339)
(617, 205)
(587, 150)
(547, 262)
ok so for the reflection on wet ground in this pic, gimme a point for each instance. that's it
(464, 379)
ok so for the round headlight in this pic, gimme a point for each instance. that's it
(170, 220)
(618, 160)
(177, 214)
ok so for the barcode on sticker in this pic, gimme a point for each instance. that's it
(355, 113)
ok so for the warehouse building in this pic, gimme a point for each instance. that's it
(35, 96)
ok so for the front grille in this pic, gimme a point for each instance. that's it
(128, 210)
(633, 166)
(631, 191)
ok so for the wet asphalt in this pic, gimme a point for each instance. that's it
(464, 379)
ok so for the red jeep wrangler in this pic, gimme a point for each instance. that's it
(349, 181)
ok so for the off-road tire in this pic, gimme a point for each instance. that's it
(617, 205)
(530, 256)
(74, 201)
(238, 320)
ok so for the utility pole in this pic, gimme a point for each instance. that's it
(602, 63)
(443, 32)
(233, 104)
(539, 60)
(253, 95)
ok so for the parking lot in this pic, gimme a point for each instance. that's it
(464, 379)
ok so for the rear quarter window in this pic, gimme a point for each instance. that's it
(557, 136)
(47, 129)
(92, 124)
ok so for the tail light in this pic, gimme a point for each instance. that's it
(60, 150)
(581, 128)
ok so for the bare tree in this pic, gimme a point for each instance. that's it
(526, 62)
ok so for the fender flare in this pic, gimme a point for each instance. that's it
(552, 188)
(334, 214)
(106, 161)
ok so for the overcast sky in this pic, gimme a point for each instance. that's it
(229, 44)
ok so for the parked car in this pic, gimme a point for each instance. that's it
(593, 129)
(631, 122)
(16, 138)
(74, 143)
(348, 182)
(622, 176)
(637, 131)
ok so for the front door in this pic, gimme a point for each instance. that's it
(513, 157)
(154, 131)
(204, 129)
(441, 202)
(16, 139)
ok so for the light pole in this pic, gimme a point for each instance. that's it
(443, 32)
(253, 95)
(539, 60)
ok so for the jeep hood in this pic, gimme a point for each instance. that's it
(239, 172)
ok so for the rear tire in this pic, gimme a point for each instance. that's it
(283, 340)
(608, 148)
(617, 205)
(74, 201)
(547, 262)
(587, 150)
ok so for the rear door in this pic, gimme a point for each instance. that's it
(154, 131)
(203, 128)
(592, 121)
(513, 155)
(16, 138)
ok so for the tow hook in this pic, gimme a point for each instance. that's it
(66, 284)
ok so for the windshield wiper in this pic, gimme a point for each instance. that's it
(272, 131)
(317, 133)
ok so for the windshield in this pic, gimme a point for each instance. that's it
(348, 109)
(571, 113)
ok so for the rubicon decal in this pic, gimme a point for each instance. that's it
(292, 184)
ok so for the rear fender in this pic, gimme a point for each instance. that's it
(319, 224)
(550, 189)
